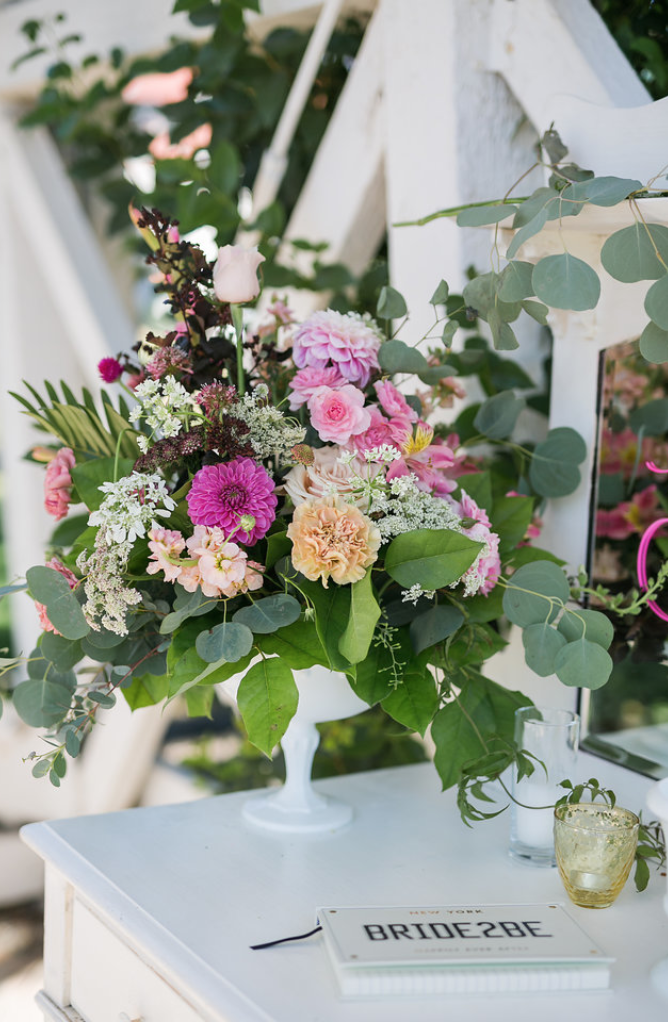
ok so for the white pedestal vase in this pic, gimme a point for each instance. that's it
(657, 800)
(296, 807)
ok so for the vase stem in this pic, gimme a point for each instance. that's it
(299, 744)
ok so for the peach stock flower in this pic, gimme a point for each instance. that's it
(332, 539)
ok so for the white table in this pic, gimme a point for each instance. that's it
(150, 912)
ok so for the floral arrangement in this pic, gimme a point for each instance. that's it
(260, 500)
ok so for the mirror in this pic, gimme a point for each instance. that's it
(627, 720)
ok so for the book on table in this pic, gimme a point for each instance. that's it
(459, 949)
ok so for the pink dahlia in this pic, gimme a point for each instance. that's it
(304, 382)
(222, 494)
(347, 342)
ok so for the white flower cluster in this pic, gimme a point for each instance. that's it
(415, 593)
(130, 506)
(108, 598)
(162, 402)
(271, 433)
(405, 508)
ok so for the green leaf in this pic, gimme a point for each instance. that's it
(536, 310)
(651, 417)
(630, 255)
(433, 374)
(601, 191)
(449, 331)
(478, 485)
(553, 146)
(224, 171)
(415, 701)
(226, 641)
(481, 293)
(397, 357)
(534, 225)
(64, 612)
(588, 624)
(543, 199)
(511, 517)
(432, 558)
(61, 652)
(565, 282)
(553, 471)
(199, 701)
(502, 335)
(656, 303)
(391, 304)
(8, 590)
(90, 475)
(583, 664)
(654, 344)
(541, 645)
(481, 216)
(497, 416)
(434, 626)
(516, 282)
(526, 600)
(332, 613)
(364, 614)
(40, 702)
(146, 690)
(270, 614)
(440, 295)
(267, 698)
(298, 645)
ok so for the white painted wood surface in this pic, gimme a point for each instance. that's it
(187, 889)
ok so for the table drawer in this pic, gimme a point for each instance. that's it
(111, 983)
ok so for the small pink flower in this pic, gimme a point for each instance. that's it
(166, 546)
(224, 568)
(110, 369)
(432, 467)
(380, 431)
(235, 274)
(162, 148)
(488, 564)
(158, 89)
(72, 581)
(306, 380)
(282, 313)
(330, 338)
(58, 483)
(393, 402)
(337, 415)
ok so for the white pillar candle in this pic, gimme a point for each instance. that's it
(534, 827)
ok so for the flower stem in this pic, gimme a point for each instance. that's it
(238, 320)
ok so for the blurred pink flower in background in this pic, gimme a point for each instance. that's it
(157, 88)
(629, 517)
(58, 483)
(162, 148)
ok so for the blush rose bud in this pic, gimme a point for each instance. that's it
(235, 274)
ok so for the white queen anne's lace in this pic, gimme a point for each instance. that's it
(131, 505)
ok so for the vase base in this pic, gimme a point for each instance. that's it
(273, 813)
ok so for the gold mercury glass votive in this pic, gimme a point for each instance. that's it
(595, 846)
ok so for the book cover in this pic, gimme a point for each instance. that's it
(453, 949)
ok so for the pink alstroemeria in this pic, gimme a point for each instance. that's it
(166, 546)
(393, 402)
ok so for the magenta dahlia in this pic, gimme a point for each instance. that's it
(348, 343)
(222, 494)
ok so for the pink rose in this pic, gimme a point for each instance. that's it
(162, 148)
(306, 380)
(380, 432)
(393, 402)
(58, 483)
(337, 415)
(158, 89)
(235, 274)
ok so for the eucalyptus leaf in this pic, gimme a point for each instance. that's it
(534, 225)
(502, 335)
(601, 191)
(565, 282)
(61, 652)
(554, 468)
(536, 310)
(396, 357)
(583, 664)
(654, 344)
(516, 283)
(270, 614)
(481, 293)
(41, 703)
(656, 303)
(542, 642)
(497, 416)
(630, 255)
(651, 417)
(449, 331)
(440, 295)
(541, 197)
(226, 641)
(267, 698)
(64, 612)
(535, 594)
(588, 624)
(435, 373)
(391, 304)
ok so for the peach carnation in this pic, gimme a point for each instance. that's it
(332, 539)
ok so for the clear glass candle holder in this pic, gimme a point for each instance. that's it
(595, 847)
(551, 736)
